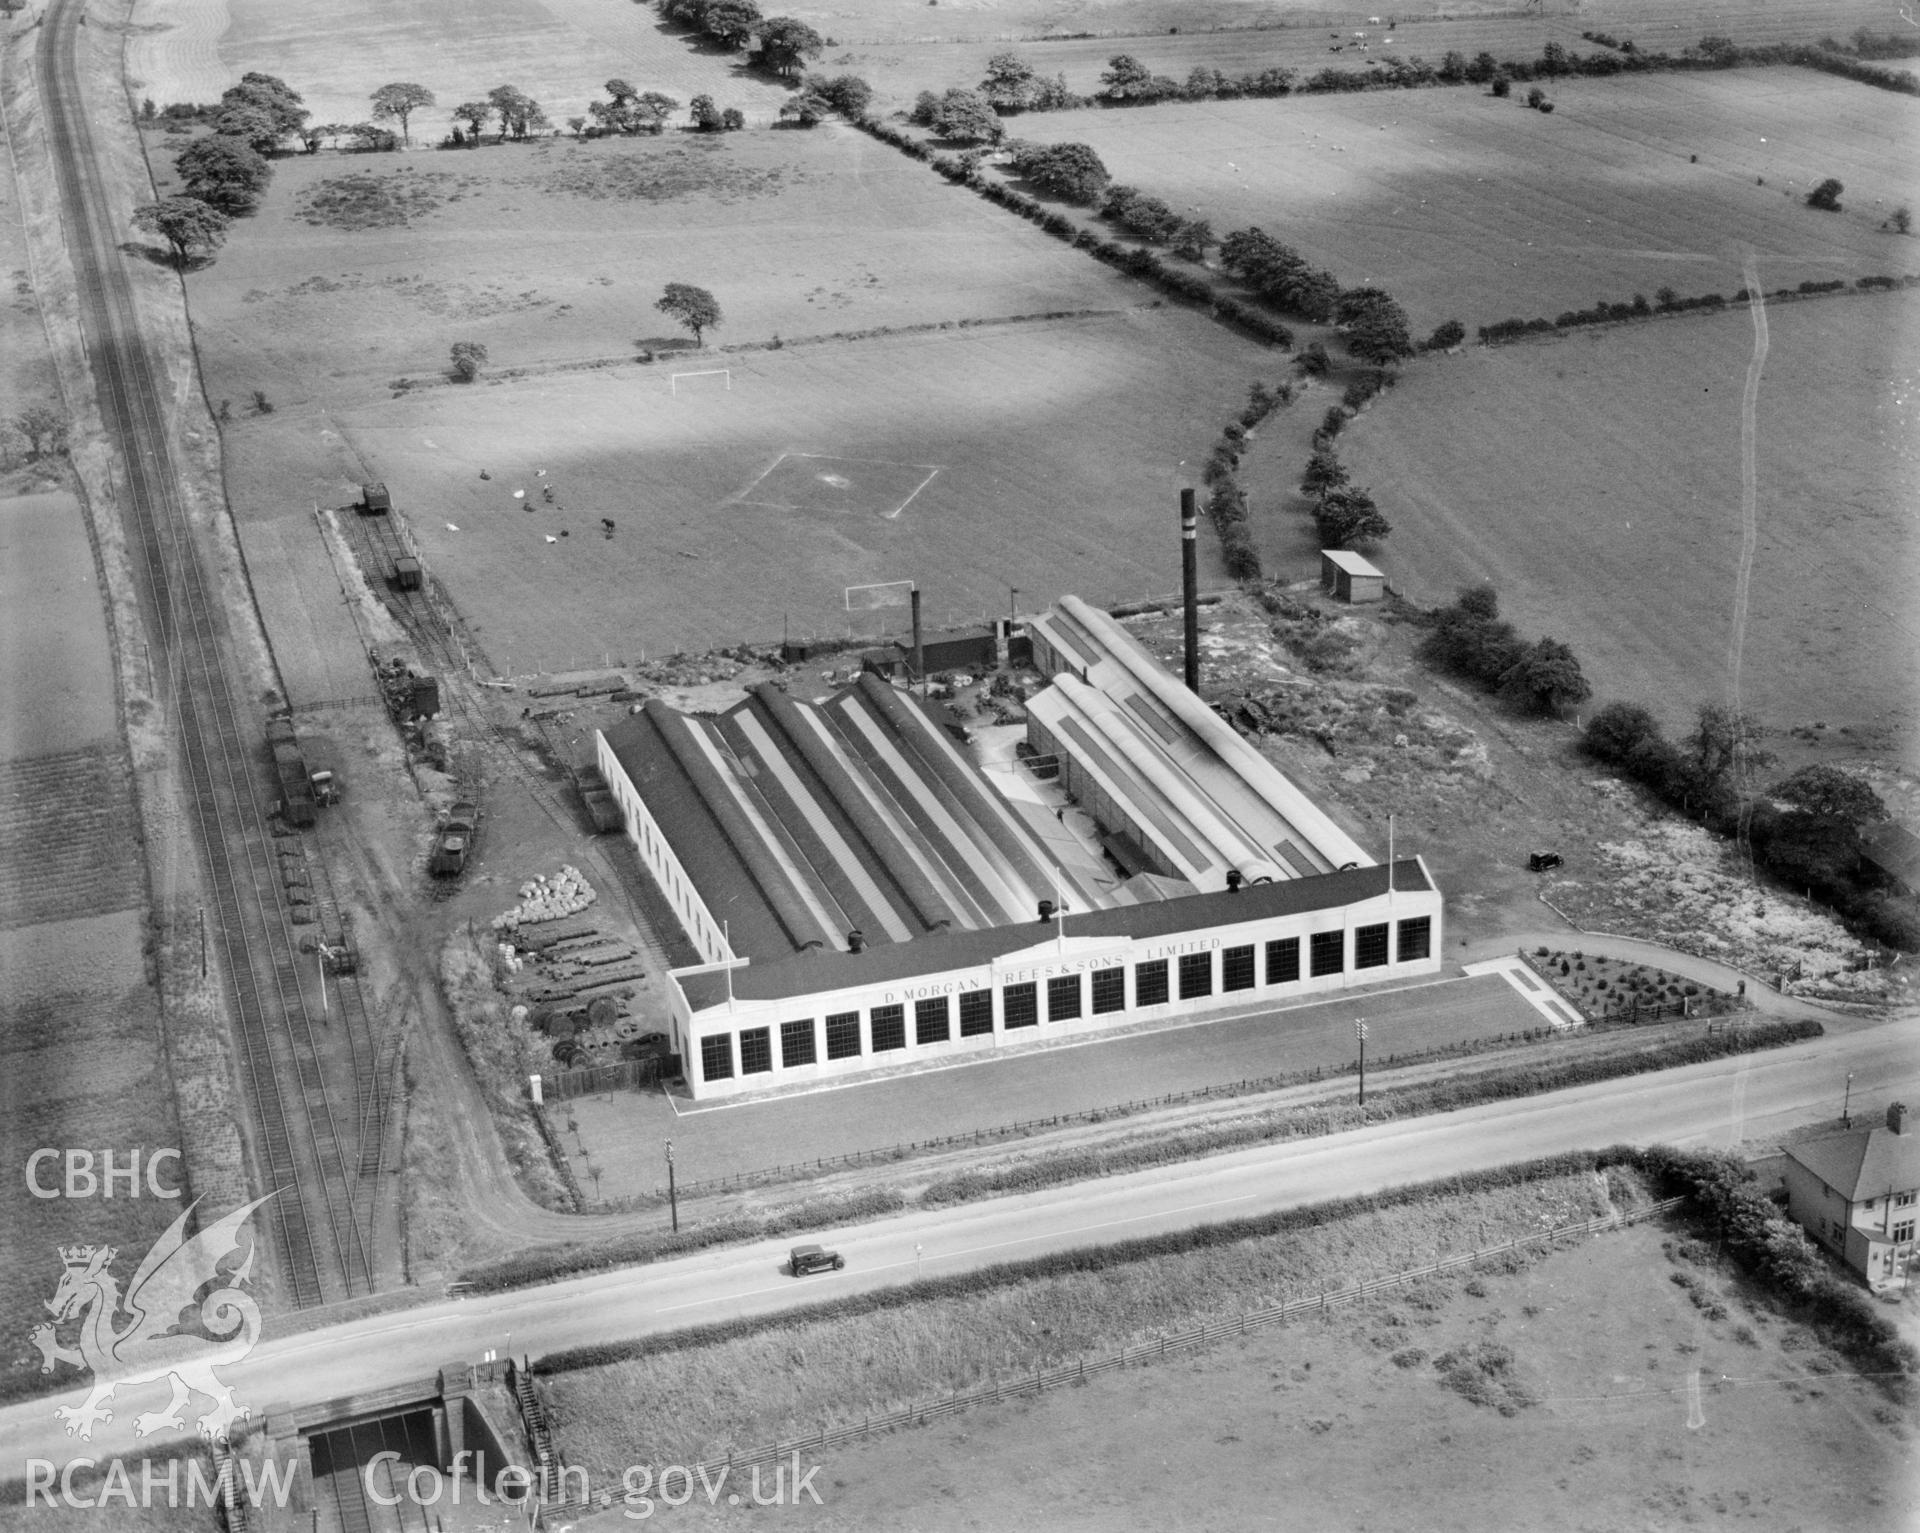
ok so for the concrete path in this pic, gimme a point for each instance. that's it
(1530, 987)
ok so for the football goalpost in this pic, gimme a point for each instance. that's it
(724, 374)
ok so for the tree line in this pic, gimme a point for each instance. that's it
(1012, 84)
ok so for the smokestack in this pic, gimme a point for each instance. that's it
(856, 941)
(1897, 1117)
(1046, 911)
(1235, 878)
(919, 652)
(1190, 584)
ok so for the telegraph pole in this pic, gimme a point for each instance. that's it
(1360, 1032)
(673, 1196)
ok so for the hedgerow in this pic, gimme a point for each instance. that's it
(1091, 1259)
(1778, 1254)
(1052, 1170)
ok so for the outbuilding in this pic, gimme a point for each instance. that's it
(1349, 578)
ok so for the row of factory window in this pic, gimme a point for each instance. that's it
(1155, 983)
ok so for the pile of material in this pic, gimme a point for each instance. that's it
(548, 899)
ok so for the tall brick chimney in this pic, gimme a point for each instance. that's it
(1897, 1117)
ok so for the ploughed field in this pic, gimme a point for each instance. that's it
(1465, 206)
(1596, 481)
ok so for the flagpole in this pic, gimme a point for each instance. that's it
(726, 935)
(1389, 859)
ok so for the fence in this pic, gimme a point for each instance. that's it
(626, 1075)
(1043, 1379)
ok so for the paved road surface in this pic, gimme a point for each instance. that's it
(1721, 1103)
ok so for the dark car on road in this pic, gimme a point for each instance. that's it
(804, 1259)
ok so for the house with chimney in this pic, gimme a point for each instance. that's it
(865, 892)
(1858, 1193)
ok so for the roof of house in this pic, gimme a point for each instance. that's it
(1863, 1163)
(828, 968)
(1352, 563)
(1893, 848)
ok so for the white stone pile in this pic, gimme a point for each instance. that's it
(548, 899)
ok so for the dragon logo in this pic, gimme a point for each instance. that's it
(153, 1343)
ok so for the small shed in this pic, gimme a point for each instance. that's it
(1349, 578)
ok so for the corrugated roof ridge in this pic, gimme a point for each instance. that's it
(835, 771)
(775, 890)
(1005, 836)
(814, 827)
(929, 820)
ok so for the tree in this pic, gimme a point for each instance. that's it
(1072, 171)
(849, 95)
(1618, 731)
(1833, 794)
(520, 115)
(1722, 739)
(1547, 679)
(371, 138)
(1501, 85)
(1009, 83)
(271, 95)
(1901, 219)
(786, 43)
(1826, 196)
(693, 307)
(732, 120)
(731, 23)
(474, 114)
(1125, 78)
(223, 171)
(185, 223)
(1325, 472)
(253, 126)
(1347, 515)
(967, 116)
(1377, 328)
(808, 109)
(1446, 336)
(1191, 239)
(44, 429)
(398, 102)
(468, 358)
(704, 114)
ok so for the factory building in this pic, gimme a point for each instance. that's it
(865, 889)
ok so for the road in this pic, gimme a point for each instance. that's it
(1721, 1103)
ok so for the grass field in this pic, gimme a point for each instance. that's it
(1472, 208)
(560, 52)
(691, 1404)
(1596, 482)
(1347, 1424)
(1043, 456)
(359, 268)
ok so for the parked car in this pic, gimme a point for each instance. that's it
(804, 1259)
(1544, 862)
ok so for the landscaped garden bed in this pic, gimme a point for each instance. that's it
(1616, 989)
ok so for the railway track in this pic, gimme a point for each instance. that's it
(321, 1219)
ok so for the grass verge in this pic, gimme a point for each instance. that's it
(692, 1394)
(1052, 1168)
